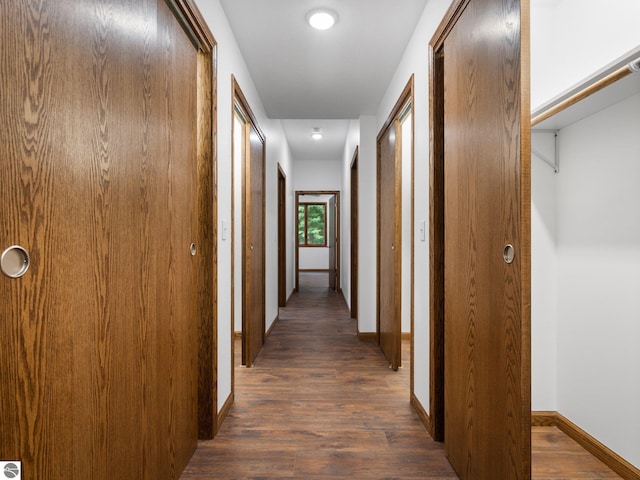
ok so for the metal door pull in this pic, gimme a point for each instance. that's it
(509, 253)
(15, 261)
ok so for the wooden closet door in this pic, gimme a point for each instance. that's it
(486, 175)
(389, 244)
(331, 219)
(97, 170)
(254, 249)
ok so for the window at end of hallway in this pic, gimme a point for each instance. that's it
(312, 225)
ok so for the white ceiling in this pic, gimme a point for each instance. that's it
(306, 74)
(303, 147)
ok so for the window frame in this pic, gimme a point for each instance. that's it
(306, 234)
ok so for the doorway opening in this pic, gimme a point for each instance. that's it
(248, 261)
(395, 245)
(318, 237)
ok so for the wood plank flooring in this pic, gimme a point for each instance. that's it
(320, 404)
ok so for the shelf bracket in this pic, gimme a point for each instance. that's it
(555, 162)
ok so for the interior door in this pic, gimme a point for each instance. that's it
(282, 238)
(331, 241)
(98, 364)
(389, 241)
(354, 235)
(486, 240)
(254, 292)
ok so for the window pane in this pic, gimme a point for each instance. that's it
(315, 224)
(301, 224)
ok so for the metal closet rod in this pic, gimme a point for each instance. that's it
(588, 89)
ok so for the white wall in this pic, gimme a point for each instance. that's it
(318, 175)
(586, 230)
(571, 39)
(238, 281)
(314, 258)
(367, 219)
(599, 276)
(353, 136)
(278, 153)
(407, 226)
(544, 278)
(414, 61)
(230, 62)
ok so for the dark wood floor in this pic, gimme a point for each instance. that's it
(320, 404)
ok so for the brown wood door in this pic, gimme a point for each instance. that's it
(282, 238)
(98, 365)
(389, 242)
(331, 241)
(354, 235)
(486, 203)
(254, 275)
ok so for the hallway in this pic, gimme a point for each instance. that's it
(320, 404)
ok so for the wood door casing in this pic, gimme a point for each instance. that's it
(481, 148)
(282, 238)
(99, 361)
(253, 228)
(298, 202)
(354, 235)
(389, 242)
(389, 147)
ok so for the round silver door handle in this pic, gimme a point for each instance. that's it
(251, 246)
(509, 253)
(192, 249)
(15, 261)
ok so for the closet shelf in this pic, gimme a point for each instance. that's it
(612, 84)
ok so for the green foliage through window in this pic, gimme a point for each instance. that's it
(312, 224)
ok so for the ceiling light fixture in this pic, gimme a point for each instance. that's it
(316, 135)
(322, 19)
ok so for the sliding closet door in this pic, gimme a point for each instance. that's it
(98, 364)
(389, 237)
(481, 134)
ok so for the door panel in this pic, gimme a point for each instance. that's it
(354, 236)
(98, 366)
(179, 357)
(487, 415)
(389, 245)
(331, 241)
(254, 248)
(282, 238)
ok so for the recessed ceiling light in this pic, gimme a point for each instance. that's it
(316, 135)
(322, 19)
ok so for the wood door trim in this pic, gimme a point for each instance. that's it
(406, 96)
(436, 244)
(298, 193)
(282, 235)
(354, 227)
(252, 123)
(436, 218)
(190, 18)
(238, 95)
(603, 453)
(449, 20)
